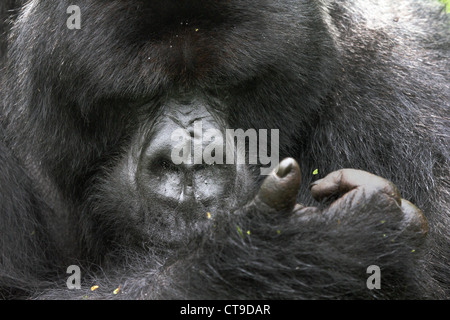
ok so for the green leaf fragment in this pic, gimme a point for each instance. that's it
(240, 231)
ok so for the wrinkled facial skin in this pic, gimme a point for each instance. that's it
(163, 203)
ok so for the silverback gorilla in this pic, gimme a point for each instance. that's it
(87, 175)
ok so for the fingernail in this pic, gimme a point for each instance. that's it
(284, 168)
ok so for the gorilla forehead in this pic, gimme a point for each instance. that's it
(185, 112)
(205, 44)
(181, 109)
(190, 114)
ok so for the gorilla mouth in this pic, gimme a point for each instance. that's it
(175, 230)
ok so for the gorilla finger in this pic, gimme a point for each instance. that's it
(414, 219)
(279, 190)
(344, 180)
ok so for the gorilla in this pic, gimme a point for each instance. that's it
(353, 96)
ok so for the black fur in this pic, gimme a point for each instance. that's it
(350, 84)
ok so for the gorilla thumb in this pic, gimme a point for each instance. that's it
(280, 189)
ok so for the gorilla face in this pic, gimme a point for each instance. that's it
(161, 201)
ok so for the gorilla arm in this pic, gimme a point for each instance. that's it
(274, 248)
(298, 251)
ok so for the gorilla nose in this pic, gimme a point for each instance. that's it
(178, 184)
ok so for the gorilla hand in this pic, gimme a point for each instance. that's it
(356, 188)
(352, 191)
(327, 249)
